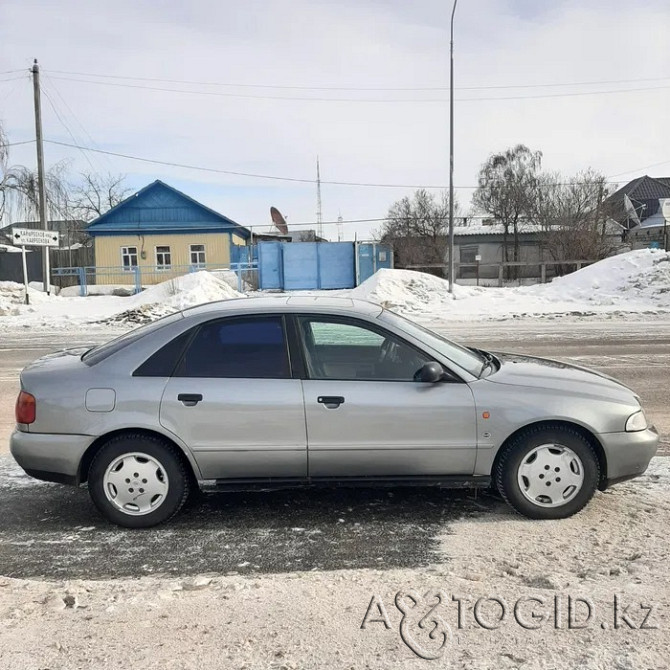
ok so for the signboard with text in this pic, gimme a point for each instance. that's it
(25, 237)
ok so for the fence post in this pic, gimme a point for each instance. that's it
(83, 292)
(501, 270)
(579, 265)
(543, 273)
(138, 279)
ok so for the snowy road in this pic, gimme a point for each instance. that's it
(54, 532)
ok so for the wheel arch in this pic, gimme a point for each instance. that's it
(549, 424)
(99, 442)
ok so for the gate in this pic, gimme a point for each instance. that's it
(306, 265)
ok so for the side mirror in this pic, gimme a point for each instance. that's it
(431, 373)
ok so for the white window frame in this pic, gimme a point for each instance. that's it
(199, 264)
(163, 267)
(125, 252)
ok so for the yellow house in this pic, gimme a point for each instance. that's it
(159, 233)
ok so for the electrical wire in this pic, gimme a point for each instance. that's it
(359, 100)
(67, 129)
(356, 88)
(287, 179)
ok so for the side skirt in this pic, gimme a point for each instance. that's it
(446, 481)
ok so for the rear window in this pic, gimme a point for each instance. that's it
(100, 353)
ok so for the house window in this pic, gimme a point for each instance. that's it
(469, 254)
(163, 258)
(129, 258)
(198, 255)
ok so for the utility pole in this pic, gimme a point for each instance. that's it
(319, 220)
(451, 153)
(40, 173)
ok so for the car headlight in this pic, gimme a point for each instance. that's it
(637, 421)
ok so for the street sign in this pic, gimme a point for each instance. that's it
(24, 237)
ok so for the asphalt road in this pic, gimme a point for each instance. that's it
(50, 531)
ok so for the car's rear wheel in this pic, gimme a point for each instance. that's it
(548, 473)
(138, 481)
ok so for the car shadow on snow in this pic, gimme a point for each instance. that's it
(51, 531)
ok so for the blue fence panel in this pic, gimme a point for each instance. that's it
(270, 275)
(301, 266)
(336, 265)
(372, 257)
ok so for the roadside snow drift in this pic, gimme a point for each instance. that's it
(638, 281)
(61, 312)
(175, 294)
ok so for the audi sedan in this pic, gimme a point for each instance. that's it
(274, 392)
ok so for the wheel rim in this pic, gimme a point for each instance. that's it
(135, 483)
(550, 475)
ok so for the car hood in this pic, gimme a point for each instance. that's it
(531, 371)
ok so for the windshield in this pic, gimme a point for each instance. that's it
(460, 355)
(97, 354)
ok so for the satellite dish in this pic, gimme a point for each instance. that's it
(665, 208)
(278, 220)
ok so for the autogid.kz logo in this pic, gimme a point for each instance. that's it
(427, 621)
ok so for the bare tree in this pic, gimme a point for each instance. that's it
(507, 190)
(93, 195)
(417, 228)
(573, 217)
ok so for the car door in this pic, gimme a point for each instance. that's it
(233, 401)
(367, 416)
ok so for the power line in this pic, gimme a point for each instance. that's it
(359, 100)
(241, 174)
(18, 144)
(280, 178)
(67, 129)
(644, 167)
(53, 87)
(357, 88)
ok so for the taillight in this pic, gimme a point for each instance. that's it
(25, 408)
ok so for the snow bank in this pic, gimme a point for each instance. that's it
(65, 311)
(410, 292)
(638, 281)
(173, 295)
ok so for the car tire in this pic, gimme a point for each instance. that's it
(548, 472)
(138, 481)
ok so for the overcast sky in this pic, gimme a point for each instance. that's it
(370, 136)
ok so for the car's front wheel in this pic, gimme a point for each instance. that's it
(548, 473)
(138, 481)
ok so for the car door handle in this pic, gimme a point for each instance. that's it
(331, 401)
(190, 399)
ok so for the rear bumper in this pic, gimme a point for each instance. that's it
(627, 454)
(53, 458)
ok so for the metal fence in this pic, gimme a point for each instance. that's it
(135, 279)
(506, 274)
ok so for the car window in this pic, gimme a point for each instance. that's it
(345, 350)
(238, 348)
(463, 357)
(163, 362)
(100, 353)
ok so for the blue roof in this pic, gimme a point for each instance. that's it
(159, 208)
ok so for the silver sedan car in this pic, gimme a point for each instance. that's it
(274, 392)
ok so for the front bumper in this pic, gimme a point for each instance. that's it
(53, 458)
(627, 454)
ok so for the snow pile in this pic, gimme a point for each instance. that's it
(411, 292)
(638, 281)
(642, 275)
(174, 295)
(12, 297)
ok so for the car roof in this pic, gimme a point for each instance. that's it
(283, 303)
